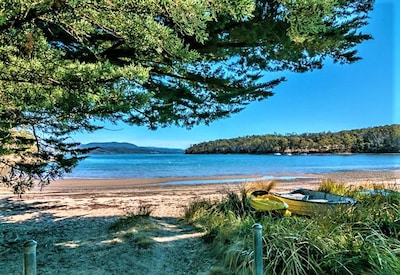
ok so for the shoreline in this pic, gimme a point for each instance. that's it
(394, 173)
(347, 177)
(81, 185)
(116, 197)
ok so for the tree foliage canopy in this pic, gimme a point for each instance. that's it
(65, 65)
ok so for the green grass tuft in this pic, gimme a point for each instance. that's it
(131, 219)
(135, 227)
(333, 187)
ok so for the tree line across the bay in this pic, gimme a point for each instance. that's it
(381, 139)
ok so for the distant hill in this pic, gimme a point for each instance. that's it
(380, 139)
(127, 148)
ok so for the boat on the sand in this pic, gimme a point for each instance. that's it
(310, 202)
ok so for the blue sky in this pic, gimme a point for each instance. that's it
(338, 97)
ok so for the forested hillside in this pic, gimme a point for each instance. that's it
(382, 139)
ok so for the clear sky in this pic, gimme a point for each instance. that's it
(338, 97)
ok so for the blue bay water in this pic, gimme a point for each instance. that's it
(181, 165)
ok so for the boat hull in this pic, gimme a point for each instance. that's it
(266, 202)
(310, 203)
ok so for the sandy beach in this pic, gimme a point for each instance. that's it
(112, 197)
(71, 217)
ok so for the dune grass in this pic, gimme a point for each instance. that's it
(135, 227)
(361, 239)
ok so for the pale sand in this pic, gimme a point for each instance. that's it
(113, 197)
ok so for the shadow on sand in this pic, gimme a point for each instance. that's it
(88, 245)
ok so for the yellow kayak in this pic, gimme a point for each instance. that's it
(264, 201)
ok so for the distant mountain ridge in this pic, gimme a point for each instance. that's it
(127, 148)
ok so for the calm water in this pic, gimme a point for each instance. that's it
(181, 165)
